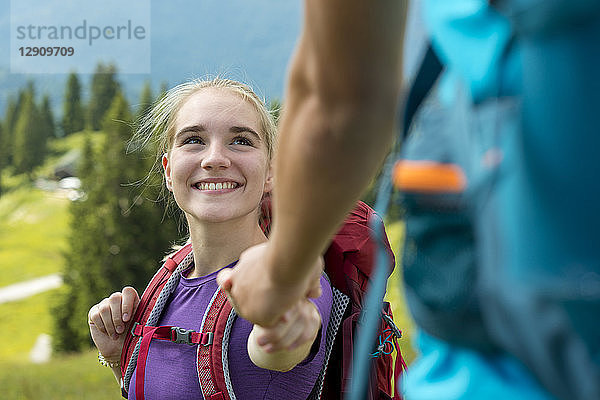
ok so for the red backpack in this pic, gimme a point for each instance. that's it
(348, 264)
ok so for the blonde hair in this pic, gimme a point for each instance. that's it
(157, 126)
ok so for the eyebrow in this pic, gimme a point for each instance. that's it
(240, 129)
(192, 128)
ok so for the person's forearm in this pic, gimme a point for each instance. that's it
(283, 360)
(337, 124)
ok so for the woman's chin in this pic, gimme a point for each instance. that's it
(213, 215)
(212, 218)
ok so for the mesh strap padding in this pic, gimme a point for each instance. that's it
(225, 357)
(205, 369)
(338, 308)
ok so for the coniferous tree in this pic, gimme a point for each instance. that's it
(70, 334)
(132, 214)
(110, 242)
(2, 156)
(147, 154)
(29, 147)
(73, 119)
(6, 140)
(47, 118)
(146, 100)
(10, 121)
(104, 87)
(162, 90)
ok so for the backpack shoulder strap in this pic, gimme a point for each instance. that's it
(147, 303)
(428, 73)
(338, 309)
(220, 350)
(213, 360)
(212, 375)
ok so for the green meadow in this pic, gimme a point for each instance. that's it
(33, 237)
(67, 377)
(33, 228)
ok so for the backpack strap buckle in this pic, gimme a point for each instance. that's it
(135, 331)
(181, 335)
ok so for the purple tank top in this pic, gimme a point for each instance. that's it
(171, 368)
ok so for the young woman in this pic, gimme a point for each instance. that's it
(217, 142)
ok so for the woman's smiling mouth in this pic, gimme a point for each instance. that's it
(207, 186)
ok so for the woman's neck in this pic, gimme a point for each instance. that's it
(216, 245)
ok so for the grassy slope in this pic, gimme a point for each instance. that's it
(33, 228)
(21, 322)
(34, 223)
(66, 378)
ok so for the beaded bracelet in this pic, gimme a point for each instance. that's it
(106, 363)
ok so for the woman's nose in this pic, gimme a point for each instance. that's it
(216, 157)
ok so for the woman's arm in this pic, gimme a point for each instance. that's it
(290, 341)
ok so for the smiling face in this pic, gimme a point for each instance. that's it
(217, 167)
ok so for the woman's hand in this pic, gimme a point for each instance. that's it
(287, 343)
(109, 321)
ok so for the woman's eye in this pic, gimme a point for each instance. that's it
(193, 140)
(242, 140)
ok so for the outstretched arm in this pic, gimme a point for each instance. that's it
(337, 125)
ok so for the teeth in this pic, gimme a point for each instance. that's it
(216, 186)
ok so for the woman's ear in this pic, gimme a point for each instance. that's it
(167, 171)
(269, 180)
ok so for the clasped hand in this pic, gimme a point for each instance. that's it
(262, 297)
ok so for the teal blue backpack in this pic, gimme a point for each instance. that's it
(468, 280)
